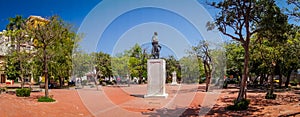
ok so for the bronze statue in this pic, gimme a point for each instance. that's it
(155, 46)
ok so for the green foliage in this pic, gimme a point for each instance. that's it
(202, 80)
(84, 82)
(81, 63)
(234, 58)
(120, 65)
(172, 65)
(294, 82)
(191, 72)
(137, 62)
(270, 95)
(225, 84)
(11, 69)
(17, 64)
(134, 66)
(17, 22)
(2, 89)
(53, 47)
(61, 62)
(102, 82)
(25, 92)
(240, 20)
(46, 99)
(291, 53)
(239, 105)
(103, 64)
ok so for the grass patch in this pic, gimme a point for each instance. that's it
(25, 92)
(46, 99)
(241, 105)
(271, 96)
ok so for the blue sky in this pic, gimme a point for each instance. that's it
(113, 26)
(72, 11)
(180, 25)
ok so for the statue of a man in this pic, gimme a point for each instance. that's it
(155, 46)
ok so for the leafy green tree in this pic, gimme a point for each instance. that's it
(11, 69)
(260, 60)
(239, 20)
(137, 62)
(172, 65)
(120, 65)
(234, 58)
(46, 36)
(81, 63)
(203, 53)
(60, 64)
(291, 54)
(274, 19)
(190, 72)
(103, 64)
(37, 69)
(18, 57)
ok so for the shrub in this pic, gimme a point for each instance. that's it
(241, 105)
(270, 95)
(25, 92)
(169, 80)
(2, 90)
(84, 82)
(46, 99)
(202, 80)
(294, 82)
(103, 83)
(225, 85)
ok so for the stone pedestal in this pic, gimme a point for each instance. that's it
(174, 78)
(156, 71)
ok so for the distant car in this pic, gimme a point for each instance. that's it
(276, 80)
(71, 83)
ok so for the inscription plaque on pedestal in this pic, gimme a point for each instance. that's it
(156, 72)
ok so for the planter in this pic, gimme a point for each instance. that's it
(293, 84)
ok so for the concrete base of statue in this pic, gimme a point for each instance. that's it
(156, 71)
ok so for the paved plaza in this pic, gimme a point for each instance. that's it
(183, 100)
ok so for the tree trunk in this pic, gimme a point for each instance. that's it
(205, 71)
(261, 80)
(46, 72)
(95, 81)
(255, 80)
(20, 63)
(207, 76)
(21, 74)
(287, 82)
(140, 78)
(22, 81)
(242, 91)
(60, 79)
(272, 82)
